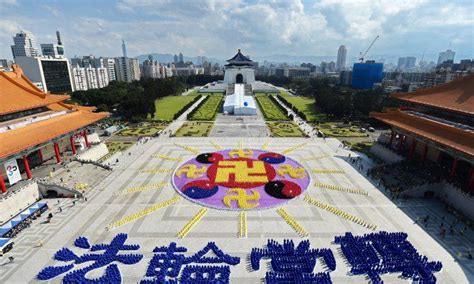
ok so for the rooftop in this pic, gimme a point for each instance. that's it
(457, 96)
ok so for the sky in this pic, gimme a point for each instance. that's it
(217, 28)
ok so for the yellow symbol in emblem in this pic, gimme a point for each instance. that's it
(292, 172)
(241, 171)
(242, 198)
(241, 153)
(191, 171)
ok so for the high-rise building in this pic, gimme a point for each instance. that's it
(406, 63)
(127, 69)
(175, 58)
(445, 56)
(341, 58)
(109, 64)
(79, 78)
(91, 77)
(151, 68)
(124, 49)
(102, 77)
(23, 45)
(365, 75)
(52, 49)
(181, 57)
(50, 74)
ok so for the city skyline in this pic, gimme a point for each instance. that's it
(290, 27)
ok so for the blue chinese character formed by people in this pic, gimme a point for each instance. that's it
(166, 266)
(379, 253)
(100, 255)
(293, 265)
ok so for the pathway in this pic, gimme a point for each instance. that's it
(177, 123)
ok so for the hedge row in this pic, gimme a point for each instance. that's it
(191, 114)
(292, 107)
(188, 105)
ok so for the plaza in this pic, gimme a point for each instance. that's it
(142, 179)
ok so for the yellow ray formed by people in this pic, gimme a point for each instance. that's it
(142, 213)
(290, 220)
(188, 148)
(340, 188)
(314, 158)
(265, 145)
(339, 212)
(168, 158)
(156, 171)
(215, 145)
(141, 188)
(243, 224)
(185, 230)
(291, 149)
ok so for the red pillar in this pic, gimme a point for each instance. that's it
(402, 141)
(391, 138)
(73, 147)
(453, 168)
(471, 180)
(40, 155)
(84, 133)
(425, 152)
(56, 152)
(3, 187)
(27, 167)
(412, 149)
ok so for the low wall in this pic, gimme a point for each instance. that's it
(18, 200)
(47, 188)
(94, 153)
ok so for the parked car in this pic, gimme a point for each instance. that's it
(371, 129)
(362, 129)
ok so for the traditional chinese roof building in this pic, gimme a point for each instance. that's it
(437, 124)
(34, 125)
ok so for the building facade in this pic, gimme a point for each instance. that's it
(23, 45)
(341, 58)
(365, 75)
(240, 69)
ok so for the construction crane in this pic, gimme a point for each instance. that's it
(370, 46)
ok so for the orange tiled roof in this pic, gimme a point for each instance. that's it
(457, 95)
(64, 106)
(16, 140)
(17, 93)
(443, 134)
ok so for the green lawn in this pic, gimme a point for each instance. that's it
(285, 129)
(333, 130)
(167, 107)
(195, 129)
(146, 129)
(307, 106)
(208, 110)
(114, 147)
(271, 111)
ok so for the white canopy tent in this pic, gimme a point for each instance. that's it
(238, 103)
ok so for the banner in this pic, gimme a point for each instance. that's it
(13, 172)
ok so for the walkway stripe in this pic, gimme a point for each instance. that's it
(168, 158)
(143, 213)
(291, 149)
(188, 148)
(327, 171)
(185, 230)
(243, 224)
(340, 188)
(339, 212)
(142, 188)
(290, 220)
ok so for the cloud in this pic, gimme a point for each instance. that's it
(216, 28)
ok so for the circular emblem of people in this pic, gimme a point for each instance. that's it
(241, 179)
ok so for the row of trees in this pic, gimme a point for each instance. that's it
(136, 100)
(331, 98)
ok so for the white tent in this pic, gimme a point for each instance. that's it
(238, 103)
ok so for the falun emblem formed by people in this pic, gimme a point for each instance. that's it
(241, 179)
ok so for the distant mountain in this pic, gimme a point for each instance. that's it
(168, 58)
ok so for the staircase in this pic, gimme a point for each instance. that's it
(248, 89)
(230, 89)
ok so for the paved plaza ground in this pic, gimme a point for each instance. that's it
(109, 202)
